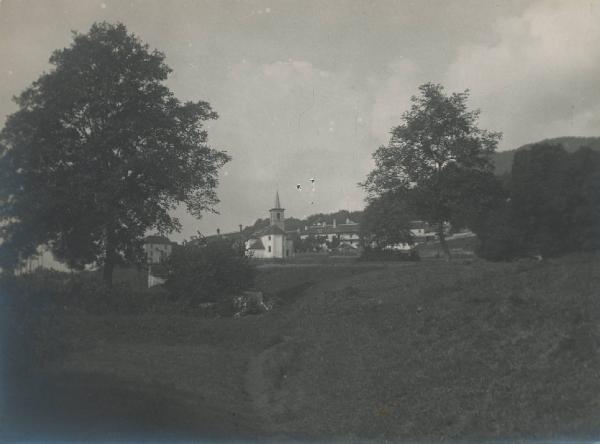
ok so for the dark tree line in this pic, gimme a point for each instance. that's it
(551, 205)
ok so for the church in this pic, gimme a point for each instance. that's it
(271, 242)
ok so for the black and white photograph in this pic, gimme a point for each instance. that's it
(300, 221)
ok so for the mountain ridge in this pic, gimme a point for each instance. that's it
(503, 160)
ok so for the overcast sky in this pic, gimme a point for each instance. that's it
(311, 88)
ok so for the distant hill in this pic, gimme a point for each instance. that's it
(503, 159)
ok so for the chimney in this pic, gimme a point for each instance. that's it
(218, 231)
(240, 225)
(347, 220)
(334, 223)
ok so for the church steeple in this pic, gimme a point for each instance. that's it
(277, 213)
(277, 204)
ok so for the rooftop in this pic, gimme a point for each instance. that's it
(257, 245)
(271, 229)
(157, 239)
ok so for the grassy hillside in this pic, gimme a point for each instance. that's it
(423, 351)
(503, 160)
(443, 351)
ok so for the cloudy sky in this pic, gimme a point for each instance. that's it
(311, 88)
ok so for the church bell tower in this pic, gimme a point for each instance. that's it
(277, 217)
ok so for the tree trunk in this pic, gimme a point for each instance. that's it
(443, 242)
(109, 259)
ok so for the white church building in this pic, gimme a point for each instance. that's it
(271, 242)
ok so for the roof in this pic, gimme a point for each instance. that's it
(234, 235)
(346, 246)
(417, 224)
(330, 229)
(271, 229)
(257, 245)
(156, 239)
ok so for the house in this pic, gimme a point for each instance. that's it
(272, 242)
(347, 233)
(157, 249)
(424, 232)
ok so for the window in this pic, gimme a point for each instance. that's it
(269, 237)
(269, 248)
(278, 216)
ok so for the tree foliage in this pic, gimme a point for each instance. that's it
(539, 189)
(553, 205)
(99, 152)
(465, 200)
(436, 147)
(386, 221)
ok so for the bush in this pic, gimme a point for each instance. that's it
(209, 273)
(30, 334)
(88, 292)
(31, 306)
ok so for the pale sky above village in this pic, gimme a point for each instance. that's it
(311, 88)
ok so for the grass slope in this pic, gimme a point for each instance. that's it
(447, 351)
(413, 351)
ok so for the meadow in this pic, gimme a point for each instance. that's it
(432, 350)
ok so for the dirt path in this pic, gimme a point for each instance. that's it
(275, 402)
(261, 387)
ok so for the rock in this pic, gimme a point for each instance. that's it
(250, 302)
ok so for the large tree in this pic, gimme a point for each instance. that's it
(437, 142)
(99, 152)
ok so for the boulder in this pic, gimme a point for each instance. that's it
(250, 302)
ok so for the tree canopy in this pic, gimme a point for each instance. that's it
(552, 205)
(100, 151)
(386, 221)
(437, 144)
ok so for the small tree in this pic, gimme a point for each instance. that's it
(437, 132)
(99, 152)
(208, 273)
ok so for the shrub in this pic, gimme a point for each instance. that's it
(29, 331)
(208, 273)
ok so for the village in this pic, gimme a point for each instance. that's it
(274, 242)
(300, 221)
